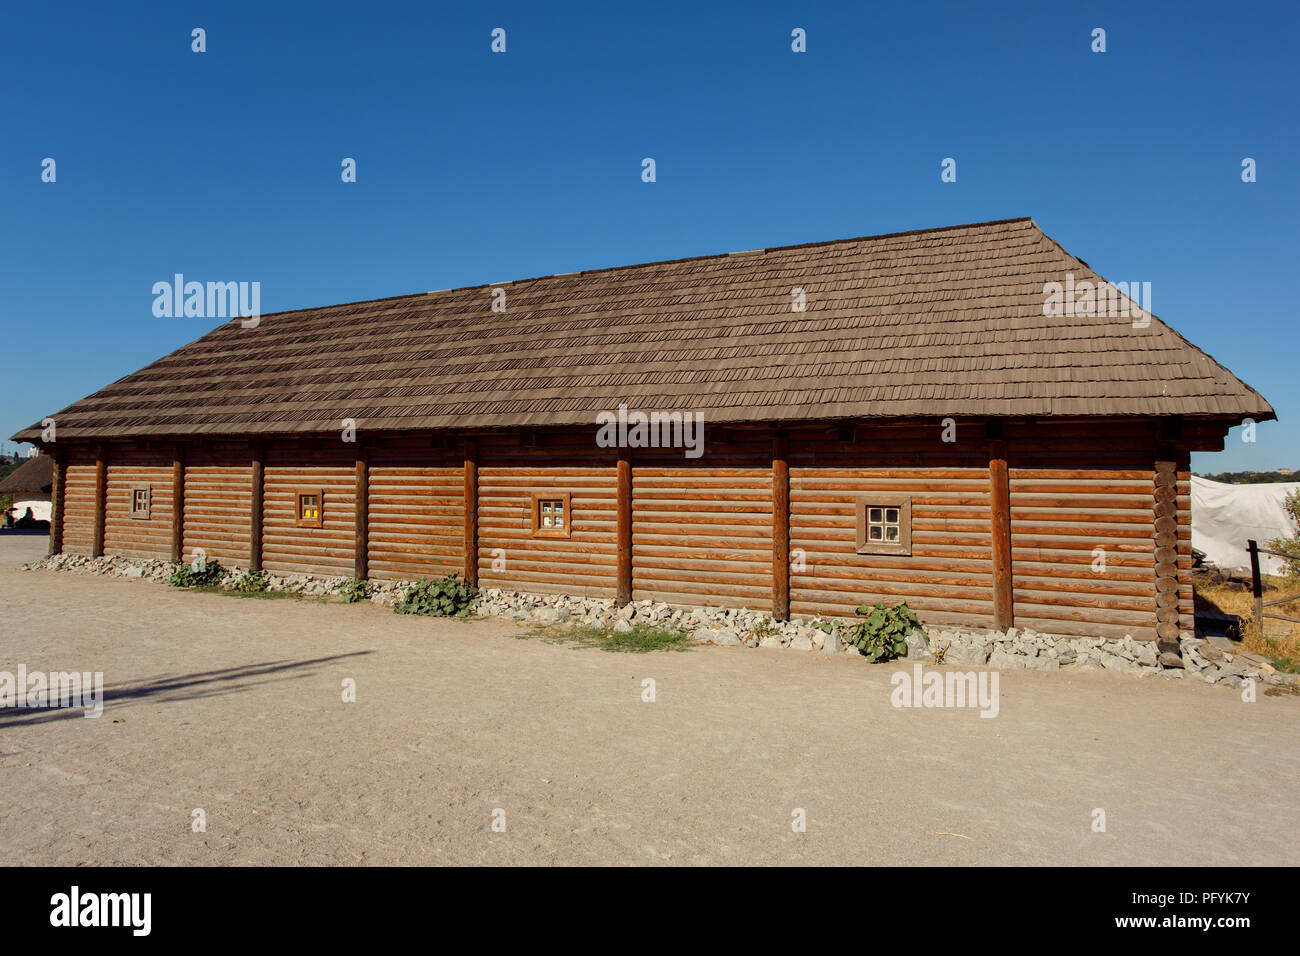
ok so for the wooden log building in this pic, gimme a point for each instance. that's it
(885, 419)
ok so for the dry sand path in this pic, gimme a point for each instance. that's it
(234, 705)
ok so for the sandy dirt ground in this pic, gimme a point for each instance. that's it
(234, 706)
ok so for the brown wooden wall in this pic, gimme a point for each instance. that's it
(79, 503)
(1075, 490)
(702, 528)
(509, 472)
(218, 482)
(327, 550)
(948, 578)
(417, 510)
(1186, 603)
(138, 537)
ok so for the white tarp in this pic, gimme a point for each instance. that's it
(1224, 517)
(40, 509)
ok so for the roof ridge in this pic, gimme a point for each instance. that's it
(657, 262)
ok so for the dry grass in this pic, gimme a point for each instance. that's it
(1279, 640)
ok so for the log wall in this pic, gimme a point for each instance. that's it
(134, 537)
(1083, 529)
(329, 549)
(702, 528)
(948, 578)
(79, 503)
(417, 511)
(1084, 501)
(218, 493)
(510, 470)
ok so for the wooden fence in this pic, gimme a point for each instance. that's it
(1257, 589)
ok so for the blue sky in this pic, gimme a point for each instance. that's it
(477, 167)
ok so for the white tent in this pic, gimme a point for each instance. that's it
(1224, 517)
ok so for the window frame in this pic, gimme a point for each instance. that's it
(535, 518)
(884, 500)
(299, 520)
(147, 513)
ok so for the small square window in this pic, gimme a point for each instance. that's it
(550, 515)
(884, 524)
(310, 507)
(141, 503)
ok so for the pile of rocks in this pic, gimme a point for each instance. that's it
(1215, 665)
(728, 627)
(741, 627)
(151, 569)
(113, 566)
(1017, 648)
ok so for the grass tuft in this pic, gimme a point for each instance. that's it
(642, 639)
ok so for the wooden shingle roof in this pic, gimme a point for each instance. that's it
(34, 475)
(930, 323)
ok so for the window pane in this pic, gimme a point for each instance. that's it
(559, 521)
(875, 515)
(546, 521)
(874, 532)
(559, 507)
(891, 515)
(891, 534)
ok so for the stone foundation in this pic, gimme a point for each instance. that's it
(732, 627)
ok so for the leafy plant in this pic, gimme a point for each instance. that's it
(939, 652)
(251, 582)
(353, 591)
(1290, 546)
(765, 628)
(438, 597)
(881, 635)
(207, 575)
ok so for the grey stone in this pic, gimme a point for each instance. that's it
(1001, 660)
(726, 637)
(970, 655)
(622, 626)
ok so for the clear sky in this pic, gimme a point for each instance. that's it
(477, 167)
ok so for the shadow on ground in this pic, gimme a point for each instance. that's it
(180, 687)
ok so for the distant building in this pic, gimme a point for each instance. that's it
(31, 484)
